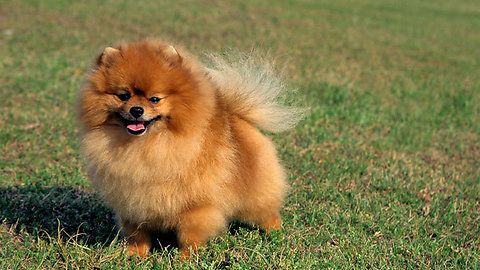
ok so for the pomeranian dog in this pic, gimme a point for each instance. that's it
(173, 145)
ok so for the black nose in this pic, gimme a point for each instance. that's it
(136, 111)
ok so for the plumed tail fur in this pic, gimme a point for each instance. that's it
(253, 91)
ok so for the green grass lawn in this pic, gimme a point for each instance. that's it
(385, 169)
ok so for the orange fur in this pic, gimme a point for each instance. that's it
(193, 170)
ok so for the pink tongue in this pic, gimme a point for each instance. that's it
(136, 127)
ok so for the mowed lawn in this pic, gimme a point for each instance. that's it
(384, 170)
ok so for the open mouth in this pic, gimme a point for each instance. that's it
(137, 127)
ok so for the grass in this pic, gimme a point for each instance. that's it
(385, 170)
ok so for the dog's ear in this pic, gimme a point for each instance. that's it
(171, 55)
(108, 56)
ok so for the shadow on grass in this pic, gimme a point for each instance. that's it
(40, 211)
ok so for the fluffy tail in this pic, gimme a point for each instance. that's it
(251, 89)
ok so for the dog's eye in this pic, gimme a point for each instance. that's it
(124, 97)
(154, 100)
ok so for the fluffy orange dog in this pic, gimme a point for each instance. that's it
(172, 145)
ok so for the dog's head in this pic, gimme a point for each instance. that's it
(144, 87)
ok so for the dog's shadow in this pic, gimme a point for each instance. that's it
(58, 211)
(69, 212)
